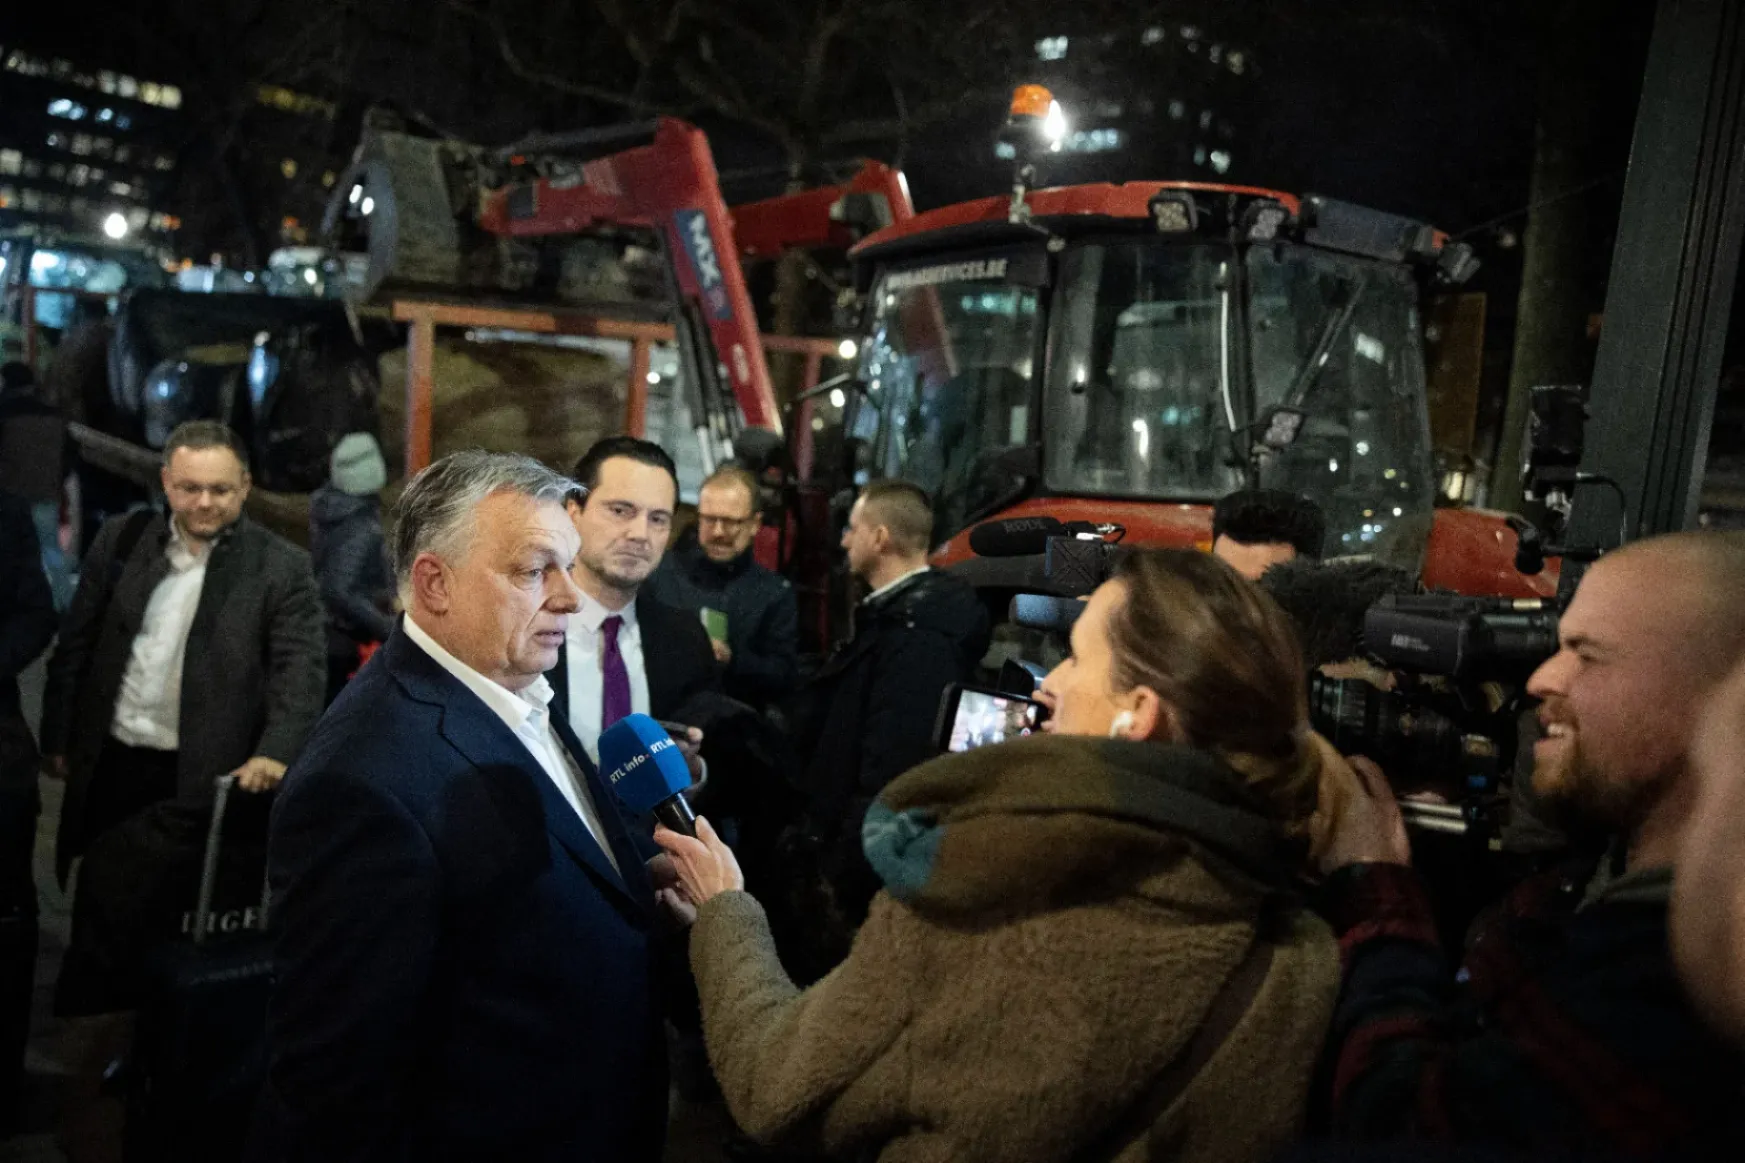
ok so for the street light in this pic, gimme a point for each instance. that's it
(115, 226)
(848, 349)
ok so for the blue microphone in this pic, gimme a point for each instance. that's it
(647, 771)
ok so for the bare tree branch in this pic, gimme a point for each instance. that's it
(512, 59)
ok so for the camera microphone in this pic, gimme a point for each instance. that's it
(1026, 536)
(647, 771)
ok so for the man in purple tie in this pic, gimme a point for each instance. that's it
(625, 651)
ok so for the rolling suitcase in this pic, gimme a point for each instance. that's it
(199, 1053)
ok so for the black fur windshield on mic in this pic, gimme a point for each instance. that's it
(1326, 601)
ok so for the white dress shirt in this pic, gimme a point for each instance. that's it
(148, 712)
(527, 713)
(582, 667)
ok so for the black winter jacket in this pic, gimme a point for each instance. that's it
(868, 715)
(350, 558)
(763, 625)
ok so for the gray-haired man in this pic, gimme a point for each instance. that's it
(466, 926)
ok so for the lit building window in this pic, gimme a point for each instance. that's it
(63, 107)
(1199, 155)
(288, 167)
(151, 93)
(169, 97)
(1205, 119)
(165, 163)
(1094, 141)
(11, 161)
(1220, 160)
(1153, 35)
(57, 141)
(1109, 109)
(1051, 48)
(1215, 54)
(126, 86)
(26, 65)
(1005, 151)
(1189, 32)
(329, 178)
(1236, 61)
(107, 81)
(1177, 110)
(121, 189)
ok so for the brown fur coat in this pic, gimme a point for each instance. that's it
(1059, 915)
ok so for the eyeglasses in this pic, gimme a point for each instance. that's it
(730, 524)
(189, 491)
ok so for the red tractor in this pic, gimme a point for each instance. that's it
(1127, 354)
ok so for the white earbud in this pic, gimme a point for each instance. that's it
(1122, 722)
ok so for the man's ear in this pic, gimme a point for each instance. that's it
(430, 584)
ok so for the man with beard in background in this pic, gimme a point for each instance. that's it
(1565, 1029)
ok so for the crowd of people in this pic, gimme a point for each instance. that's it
(1175, 923)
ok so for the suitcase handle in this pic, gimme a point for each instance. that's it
(209, 865)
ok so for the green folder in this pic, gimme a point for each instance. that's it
(715, 622)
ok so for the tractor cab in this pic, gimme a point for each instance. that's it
(1130, 353)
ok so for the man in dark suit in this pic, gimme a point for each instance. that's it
(193, 648)
(466, 928)
(625, 651)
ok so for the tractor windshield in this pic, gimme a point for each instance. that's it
(1338, 339)
(1140, 395)
(948, 376)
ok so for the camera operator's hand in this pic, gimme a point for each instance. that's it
(1368, 827)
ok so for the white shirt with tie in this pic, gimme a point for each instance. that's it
(527, 713)
(148, 712)
(583, 662)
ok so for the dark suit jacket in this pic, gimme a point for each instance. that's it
(253, 677)
(461, 974)
(676, 653)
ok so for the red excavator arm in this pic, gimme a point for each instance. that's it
(833, 217)
(669, 185)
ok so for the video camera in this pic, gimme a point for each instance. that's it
(1457, 670)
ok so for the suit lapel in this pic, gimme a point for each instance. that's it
(559, 678)
(489, 745)
(657, 659)
(611, 815)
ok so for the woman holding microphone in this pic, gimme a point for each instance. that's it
(1089, 945)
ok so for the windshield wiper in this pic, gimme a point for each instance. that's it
(1330, 333)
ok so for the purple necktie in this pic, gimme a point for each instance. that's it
(615, 680)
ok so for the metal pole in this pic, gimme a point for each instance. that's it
(420, 391)
(636, 399)
(1670, 298)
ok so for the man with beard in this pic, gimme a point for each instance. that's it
(625, 651)
(1566, 1028)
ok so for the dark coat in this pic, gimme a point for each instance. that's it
(461, 975)
(676, 653)
(763, 622)
(27, 623)
(27, 610)
(869, 713)
(350, 558)
(253, 677)
(1566, 1029)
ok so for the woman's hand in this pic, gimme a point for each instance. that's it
(705, 865)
